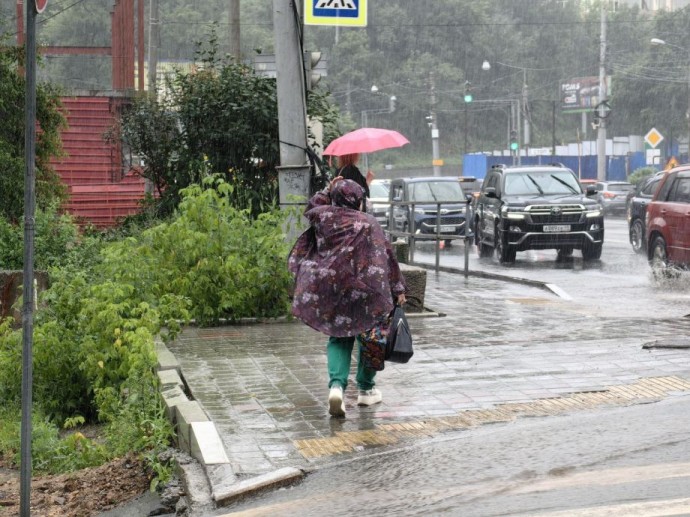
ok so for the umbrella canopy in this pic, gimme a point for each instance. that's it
(365, 140)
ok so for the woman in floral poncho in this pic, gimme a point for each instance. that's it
(346, 278)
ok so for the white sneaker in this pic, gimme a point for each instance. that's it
(336, 405)
(369, 397)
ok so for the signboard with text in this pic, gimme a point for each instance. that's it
(582, 94)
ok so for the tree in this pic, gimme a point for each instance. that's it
(12, 164)
(223, 119)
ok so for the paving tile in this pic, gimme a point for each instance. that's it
(265, 385)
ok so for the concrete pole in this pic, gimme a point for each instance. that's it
(293, 173)
(154, 44)
(436, 155)
(234, 25)
(601, 133)
(687, 113)
(526, 136)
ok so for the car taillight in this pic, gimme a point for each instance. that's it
(609, 195)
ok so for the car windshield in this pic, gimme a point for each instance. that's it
(541, 183)
(433, 191)
(378, 190)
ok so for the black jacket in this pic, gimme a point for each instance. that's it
(351, 172)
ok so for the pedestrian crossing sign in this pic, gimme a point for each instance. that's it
(344, 13)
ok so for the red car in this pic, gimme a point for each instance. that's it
(668, 221)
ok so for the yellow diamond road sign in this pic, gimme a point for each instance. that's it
(345, 13)
(653, 138)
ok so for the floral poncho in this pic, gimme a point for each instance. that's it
(345, 272)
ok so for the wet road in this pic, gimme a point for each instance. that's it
(620, 284)
(598, 463)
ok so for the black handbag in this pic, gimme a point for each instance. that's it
(399, 343)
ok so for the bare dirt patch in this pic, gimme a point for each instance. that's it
(84, 493)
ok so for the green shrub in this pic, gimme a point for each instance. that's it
(94, 354)
(639, 174)
(57, 242)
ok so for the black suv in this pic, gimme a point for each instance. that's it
(637, 210)
(536, 207)
(419, 203)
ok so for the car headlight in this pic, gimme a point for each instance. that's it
(512, 213)
(419, 211)
(593, 213)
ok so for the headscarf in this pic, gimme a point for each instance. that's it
(345, 272)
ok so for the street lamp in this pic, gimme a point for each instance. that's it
(657, 41)
(522, 109)
(365, 115)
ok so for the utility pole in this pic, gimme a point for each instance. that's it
(434, 129)
(526, 140)
(154, 43)
(32, 9)
(601, 132)
(293, 173)
(234, 25)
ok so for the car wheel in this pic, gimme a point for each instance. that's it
(591, 251)
(658, 258)
(484, 250)
(505, 253)
(637, 236)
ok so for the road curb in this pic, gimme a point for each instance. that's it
(207, 475)
(495, 276)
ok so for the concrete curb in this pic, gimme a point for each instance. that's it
(210, 480)
(494, 276)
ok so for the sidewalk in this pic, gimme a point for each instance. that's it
(501, 350)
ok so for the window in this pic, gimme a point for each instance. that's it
(434, 191)
(650, 187)
(680, 191)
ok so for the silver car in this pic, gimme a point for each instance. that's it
(613, 195)
(378, 204)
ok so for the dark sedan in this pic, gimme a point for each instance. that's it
(637, 210)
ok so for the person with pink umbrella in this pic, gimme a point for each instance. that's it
(347, 169)
(364, 140)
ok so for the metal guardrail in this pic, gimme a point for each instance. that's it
(413, 237)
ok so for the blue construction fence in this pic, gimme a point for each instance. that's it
(618, 168)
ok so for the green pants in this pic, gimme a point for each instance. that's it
(339, 352)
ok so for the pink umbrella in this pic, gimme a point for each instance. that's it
(365, 140)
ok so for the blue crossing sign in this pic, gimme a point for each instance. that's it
(344, 13)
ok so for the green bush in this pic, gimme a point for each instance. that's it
(94, 354)
(57, 242)
(639, 174)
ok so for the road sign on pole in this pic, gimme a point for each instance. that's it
(343, 13)
(41, 5)
(653, 138)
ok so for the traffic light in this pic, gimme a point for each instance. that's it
(468, 92)
(391, 103)
(430, 119)
(312, 76)
(514, 145)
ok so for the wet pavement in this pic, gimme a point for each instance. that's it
(498, 345)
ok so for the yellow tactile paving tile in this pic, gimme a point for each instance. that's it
(654, 388)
